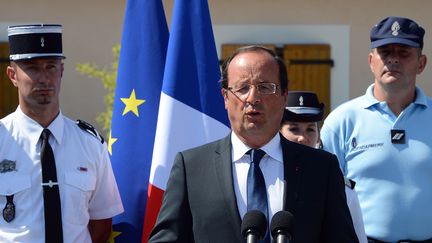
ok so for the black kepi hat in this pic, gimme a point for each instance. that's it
(35, 41)
(303, 106)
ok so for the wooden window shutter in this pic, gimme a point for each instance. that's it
(309, 69)
(8, 92)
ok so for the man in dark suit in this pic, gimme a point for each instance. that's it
(208, 191)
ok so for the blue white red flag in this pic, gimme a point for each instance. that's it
(191, 110)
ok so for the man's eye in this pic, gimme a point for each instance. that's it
(243, 89)
(265, 87)
(404, 53)
(31, 68)
(384, 52)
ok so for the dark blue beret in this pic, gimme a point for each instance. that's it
(397, 30)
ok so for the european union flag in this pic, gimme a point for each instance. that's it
(139, 81)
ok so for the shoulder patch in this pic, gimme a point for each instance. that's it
(90, 129)
(349, 183)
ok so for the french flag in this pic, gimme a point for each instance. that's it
(191, 109)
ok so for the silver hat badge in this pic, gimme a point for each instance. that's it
(395, 28)
(301, 100)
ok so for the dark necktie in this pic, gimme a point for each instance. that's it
(52, 206)
(256, 188)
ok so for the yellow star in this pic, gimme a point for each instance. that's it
(131, 104)
(111, 141)
(112, 236)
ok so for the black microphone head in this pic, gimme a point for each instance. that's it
(282, 221)
(254, 221)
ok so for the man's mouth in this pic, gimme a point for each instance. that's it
(253, 113)
(391, 72)
(43, 90)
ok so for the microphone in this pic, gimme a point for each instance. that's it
(282, 226)
(254, 226)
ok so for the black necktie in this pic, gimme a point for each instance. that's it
(256, 188)
(52, 206)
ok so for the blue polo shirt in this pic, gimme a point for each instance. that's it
(394, 181)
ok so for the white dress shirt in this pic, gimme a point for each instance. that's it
(88, 190)
(271, 166)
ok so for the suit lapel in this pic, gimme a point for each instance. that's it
(223, 167)
(292, 174)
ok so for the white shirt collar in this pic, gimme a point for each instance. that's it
(35, 129)
(273, 148)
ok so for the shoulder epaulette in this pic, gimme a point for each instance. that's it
(349, 183)
(90, 129)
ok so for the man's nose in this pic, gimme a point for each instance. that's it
(393, 58)
(42, 76)
(253, 96)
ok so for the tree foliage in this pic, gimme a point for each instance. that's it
(108, 78)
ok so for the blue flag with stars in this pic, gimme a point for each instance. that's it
(136, 104)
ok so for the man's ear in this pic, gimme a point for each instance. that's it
(285, 95)
(370, 57)
(422, 64)
(225, 96)
(10, 72)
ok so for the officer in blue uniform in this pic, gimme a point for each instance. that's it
(383, 138)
